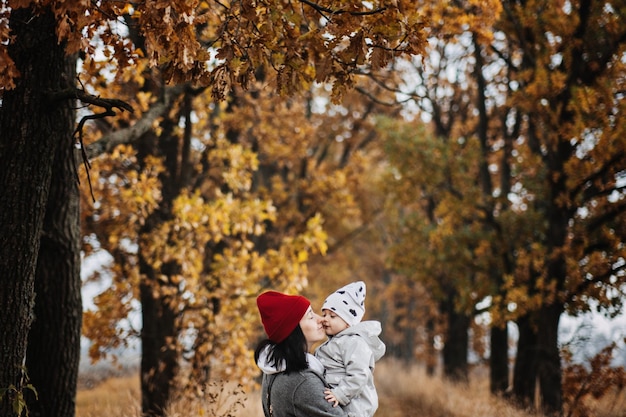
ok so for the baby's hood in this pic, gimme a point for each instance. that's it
(370, 331)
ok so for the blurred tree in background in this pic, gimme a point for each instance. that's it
(522, 205)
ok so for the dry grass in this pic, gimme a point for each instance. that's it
(403, 391)
(411, 392)
(114, 397)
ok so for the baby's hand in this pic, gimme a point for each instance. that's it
(330, 397)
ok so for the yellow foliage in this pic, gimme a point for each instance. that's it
(266, 186)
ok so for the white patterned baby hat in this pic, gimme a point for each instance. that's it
(348, 302)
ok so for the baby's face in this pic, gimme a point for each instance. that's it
(333, 324)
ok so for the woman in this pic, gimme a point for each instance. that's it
(293, 385)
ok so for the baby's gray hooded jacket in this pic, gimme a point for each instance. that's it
(349, 358)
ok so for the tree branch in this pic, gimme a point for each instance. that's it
(613, 212)
(132, 133)
(109, 106)
(322, 9)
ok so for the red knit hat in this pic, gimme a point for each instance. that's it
(281, 313)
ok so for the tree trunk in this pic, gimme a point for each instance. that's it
(26, 154)
(159, 335)
(53, 352)
(499, 360)
(431, 352)
(538, 361)
(455, 366)
(549, 360)
(159, 359)
(407, 347)
(525, 368)
(548, 354)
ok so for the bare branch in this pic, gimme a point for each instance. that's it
(109, 106)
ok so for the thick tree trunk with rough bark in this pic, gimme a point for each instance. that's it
(53, 352)
(27, 150)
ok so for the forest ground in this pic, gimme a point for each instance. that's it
(403, 391)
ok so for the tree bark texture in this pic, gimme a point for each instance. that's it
(53, 352)
(27, 150)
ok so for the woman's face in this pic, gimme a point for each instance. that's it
(311, 325)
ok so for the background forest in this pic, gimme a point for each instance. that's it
(466, 159)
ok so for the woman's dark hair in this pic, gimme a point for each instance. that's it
(291, 351)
